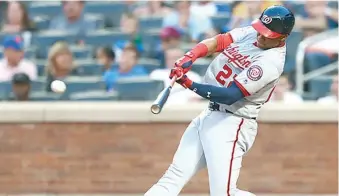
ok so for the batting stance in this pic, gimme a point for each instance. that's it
(238, 82)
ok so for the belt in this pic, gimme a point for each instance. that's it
(213, 106)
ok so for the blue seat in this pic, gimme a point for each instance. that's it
(292, 43)
(41, 23)
(44, 39)
(150, 22)
(104, 37)
(223, 8)
(320, 86)
(45, 96)
(46, 8)
(94, 96)
(79, 84)
(149, 64)
(200, 66)
(88, 68)
(6, 88)
(111, 11)
(220, 20)
(77, 51)
(138, 88)
(99, 20)
(38, 85)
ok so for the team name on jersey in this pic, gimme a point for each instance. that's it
(234, 56)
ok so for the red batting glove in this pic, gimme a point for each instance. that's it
(185, 62)
(176, 71)
(185, 82)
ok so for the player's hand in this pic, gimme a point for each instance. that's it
(185, 81)
(178, 72)
(185, 62)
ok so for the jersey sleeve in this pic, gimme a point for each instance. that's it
(238, 34)
(254, 78)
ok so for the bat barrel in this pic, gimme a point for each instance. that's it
(159, 103)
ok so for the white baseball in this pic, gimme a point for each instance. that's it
(58, 86)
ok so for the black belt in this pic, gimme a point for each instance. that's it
(213, 106)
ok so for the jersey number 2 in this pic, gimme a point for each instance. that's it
(224, 75)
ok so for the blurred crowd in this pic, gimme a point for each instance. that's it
(124, 50)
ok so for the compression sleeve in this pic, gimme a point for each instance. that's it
(223, 41)
(222, 95)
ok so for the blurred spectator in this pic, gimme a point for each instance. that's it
(152, 8)
(105, 56)
(333, 97)
(129, 24)
(17, 21)
(73, 19)
(59, 63)
(205, 8)
(192, 24)
(13, 61)
(283, 93)
(170, 38)
(180, 94)
(331, 12)
(245, 12)
(312, 19)
(127, 67)
(21, 86)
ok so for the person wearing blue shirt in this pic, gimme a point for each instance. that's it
(127, 67)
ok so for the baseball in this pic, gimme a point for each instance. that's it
(58, 86)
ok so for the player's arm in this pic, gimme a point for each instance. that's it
(246, 83)
(206, 47)
(222, 95)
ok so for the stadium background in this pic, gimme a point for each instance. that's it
(99, 136)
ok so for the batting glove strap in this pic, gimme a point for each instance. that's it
(185, 82)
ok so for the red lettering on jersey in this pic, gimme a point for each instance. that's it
(224, 75)
(233, 55)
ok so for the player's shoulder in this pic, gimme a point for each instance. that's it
(274, 57)
(238, 34)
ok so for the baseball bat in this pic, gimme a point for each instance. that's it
(159, 103)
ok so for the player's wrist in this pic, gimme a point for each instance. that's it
(200, 50)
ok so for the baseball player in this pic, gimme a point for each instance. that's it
(238, 82)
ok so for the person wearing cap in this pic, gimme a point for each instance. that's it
(21, 86)
(237, 83)
(13, 61)
(170, 38)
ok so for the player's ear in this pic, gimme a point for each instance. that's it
(283, 38)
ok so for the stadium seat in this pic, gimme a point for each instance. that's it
(200, 66)
(5, 90)
(88, 68)
(104, 37)
(98, 19)
(150, 22)
(41, 23)
(111, 11)
(38, 85)
(45, 96)
(94, 96)
(149, 64)
(77, 51)
(138, 88)
(45, 8)
(223, 8)
(292, 43)
(79, 84)
(320, 86)
(220, 20)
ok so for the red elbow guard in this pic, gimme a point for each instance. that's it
(223, 40)
(200, 50)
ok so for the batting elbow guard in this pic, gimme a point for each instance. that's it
(223, 41)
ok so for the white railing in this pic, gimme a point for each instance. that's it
(301, 78)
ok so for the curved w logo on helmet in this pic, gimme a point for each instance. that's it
(266, 19)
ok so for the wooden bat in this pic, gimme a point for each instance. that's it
(159, 103)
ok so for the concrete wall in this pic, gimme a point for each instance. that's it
(122, 148)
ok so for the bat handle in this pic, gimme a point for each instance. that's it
(173, 81)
